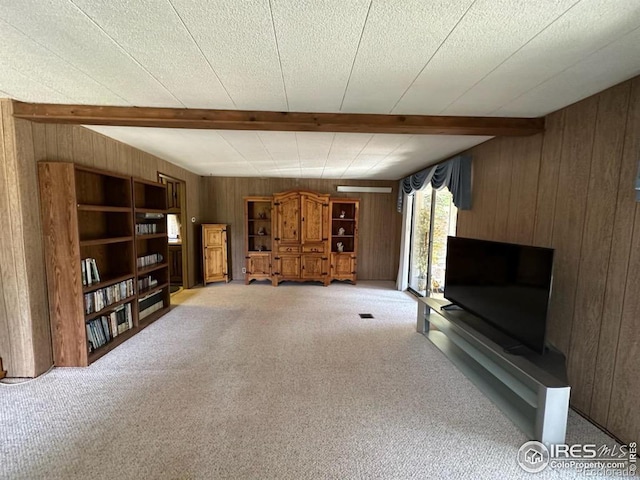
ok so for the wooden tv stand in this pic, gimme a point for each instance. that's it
(531, 389)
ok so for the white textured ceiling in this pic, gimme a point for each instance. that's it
(451, 57)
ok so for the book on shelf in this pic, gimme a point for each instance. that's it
(151, 216)
(148, 260)
(146, 228)
(149, 304)
(147, 282)
(94, 270)
(90, 274)
(103, 297)
(103, 329)
(149, 310)
(96, 335)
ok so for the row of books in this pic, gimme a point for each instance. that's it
(103, 297)
(147, 282)
(149, 304)
(146, 228)
(150, 216)
(148, 260)
(102, 329)
(90, 274)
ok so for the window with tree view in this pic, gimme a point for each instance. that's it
(433, 218)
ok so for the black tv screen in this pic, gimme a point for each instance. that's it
(505, 284)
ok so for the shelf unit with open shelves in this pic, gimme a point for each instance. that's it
(91, 246)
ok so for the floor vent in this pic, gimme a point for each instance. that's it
(365, 315)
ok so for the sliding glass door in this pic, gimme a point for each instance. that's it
(433, 218)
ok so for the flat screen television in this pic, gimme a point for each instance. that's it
(505, 284)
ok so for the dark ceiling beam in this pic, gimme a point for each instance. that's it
(281, 121)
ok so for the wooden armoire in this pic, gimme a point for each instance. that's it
(301, 237)
(290, 237)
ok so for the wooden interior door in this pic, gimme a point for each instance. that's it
(315, 211)
(176, 202)
(287, 222)
(175, 264)
(214, 242)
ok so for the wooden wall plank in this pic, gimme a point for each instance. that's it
(380, 224)
(479, 221)
(33, 247)
(6, 263)
(618, 272)
(148, 165)
(502, 184)
(548, 179)
(194, 189)
(83, 147)
(12, 256)
(5, 344)
(487, 220)
(127, 161)
(524, 189)
(623, 419)
(596, 242)
(39, 136)
(99, 150)
(64, 140)
(135, 160)
(112, 161)
(573, 181)
(51, 141)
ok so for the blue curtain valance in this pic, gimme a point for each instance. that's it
(454, 174)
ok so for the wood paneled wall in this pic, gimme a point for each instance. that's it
(572, 188)
(73, 143)
(380, 224)
(25, 339)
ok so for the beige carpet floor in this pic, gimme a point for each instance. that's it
(257, 382)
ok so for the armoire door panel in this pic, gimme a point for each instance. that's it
(290, 266)
(314, 267)
(259, 265)
(287, 219)
(314, 218)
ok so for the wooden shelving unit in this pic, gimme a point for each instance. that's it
(90, 214)
(86, 214)
(152, 249)
(300, 236)
(344, 238)
(258, 238)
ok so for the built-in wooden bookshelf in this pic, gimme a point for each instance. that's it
(91, 247)
(152, 250)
